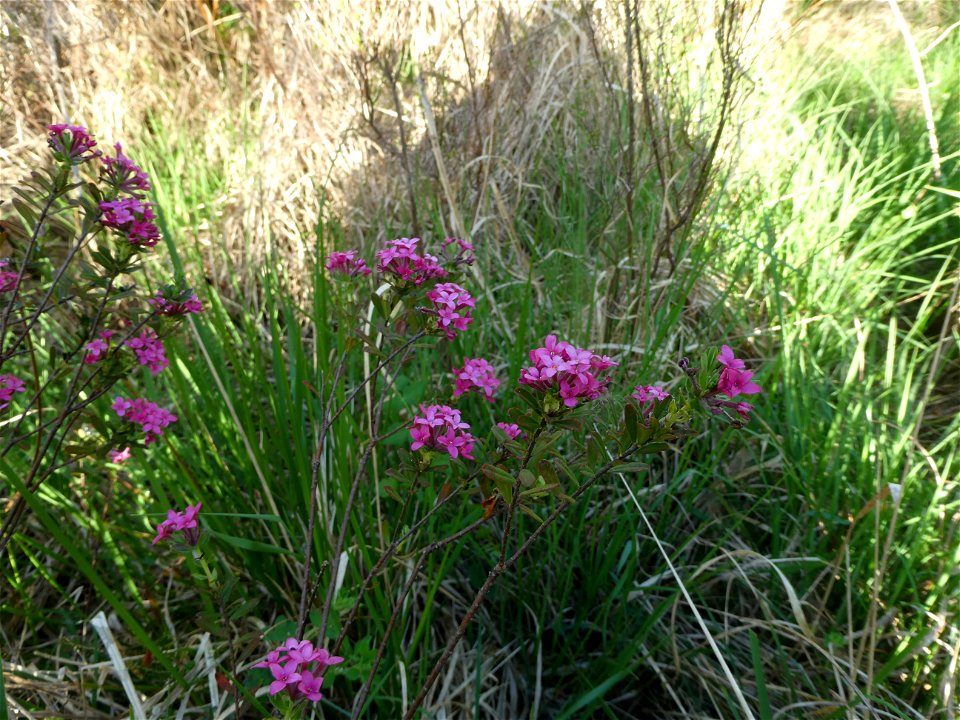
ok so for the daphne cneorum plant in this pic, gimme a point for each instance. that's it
(551, 441)
(74, 319)
(74, 325)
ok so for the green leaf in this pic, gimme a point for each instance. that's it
(252, 545)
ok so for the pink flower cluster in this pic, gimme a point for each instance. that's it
(133, 218)
(118, 457)
(451, 306)
(298, 668)
(151, 418)
(512, 430)
(8, 279)
(346, 263)
(574, 373)
(400, 258)
(72, 143)
(185, 522)
(177, 306)
(648, 396)
(124, 175)
(440, 427)
(97, 348)
(149, 350)
(9, 384)
(734, 380)
(476, 375)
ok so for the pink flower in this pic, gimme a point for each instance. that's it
(451, 307)
(165, 530)
(118, 457)
(151, 418)
(734, 382)
(346, 263)
(298, 668)
(743, 409)
(573, 373)
(124, 175)
(8, 279)
(9, 384)
(184, 303)
(399, 259)
(512, 430)
(284, 675)
(97, 349)
(476, 375)
(325, 659)
(149, 350)
(440, 427)
(185, 522)
(648, 396)
(727, 359)
(71, 143)
(273, 658)
(133, 218)
(309, 686)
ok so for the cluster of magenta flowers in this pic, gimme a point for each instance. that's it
(573, 373)
(72, 143)
(9, 384)
(125, 175)
(98, 348)
(512, 430)
(8, 279)
(400, 260)
(151, 418)
(147, 347)
(133, 218)
(297, 668)
(451, 306)
(149, 350)
(440, 427)
(185, 522)
(476, 375)
(404, 265)
(188, 305)
(734, 380)
(130, 216)
(648, 396)
(346, 263)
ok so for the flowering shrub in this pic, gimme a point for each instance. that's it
(72, 323)
(557, 444)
